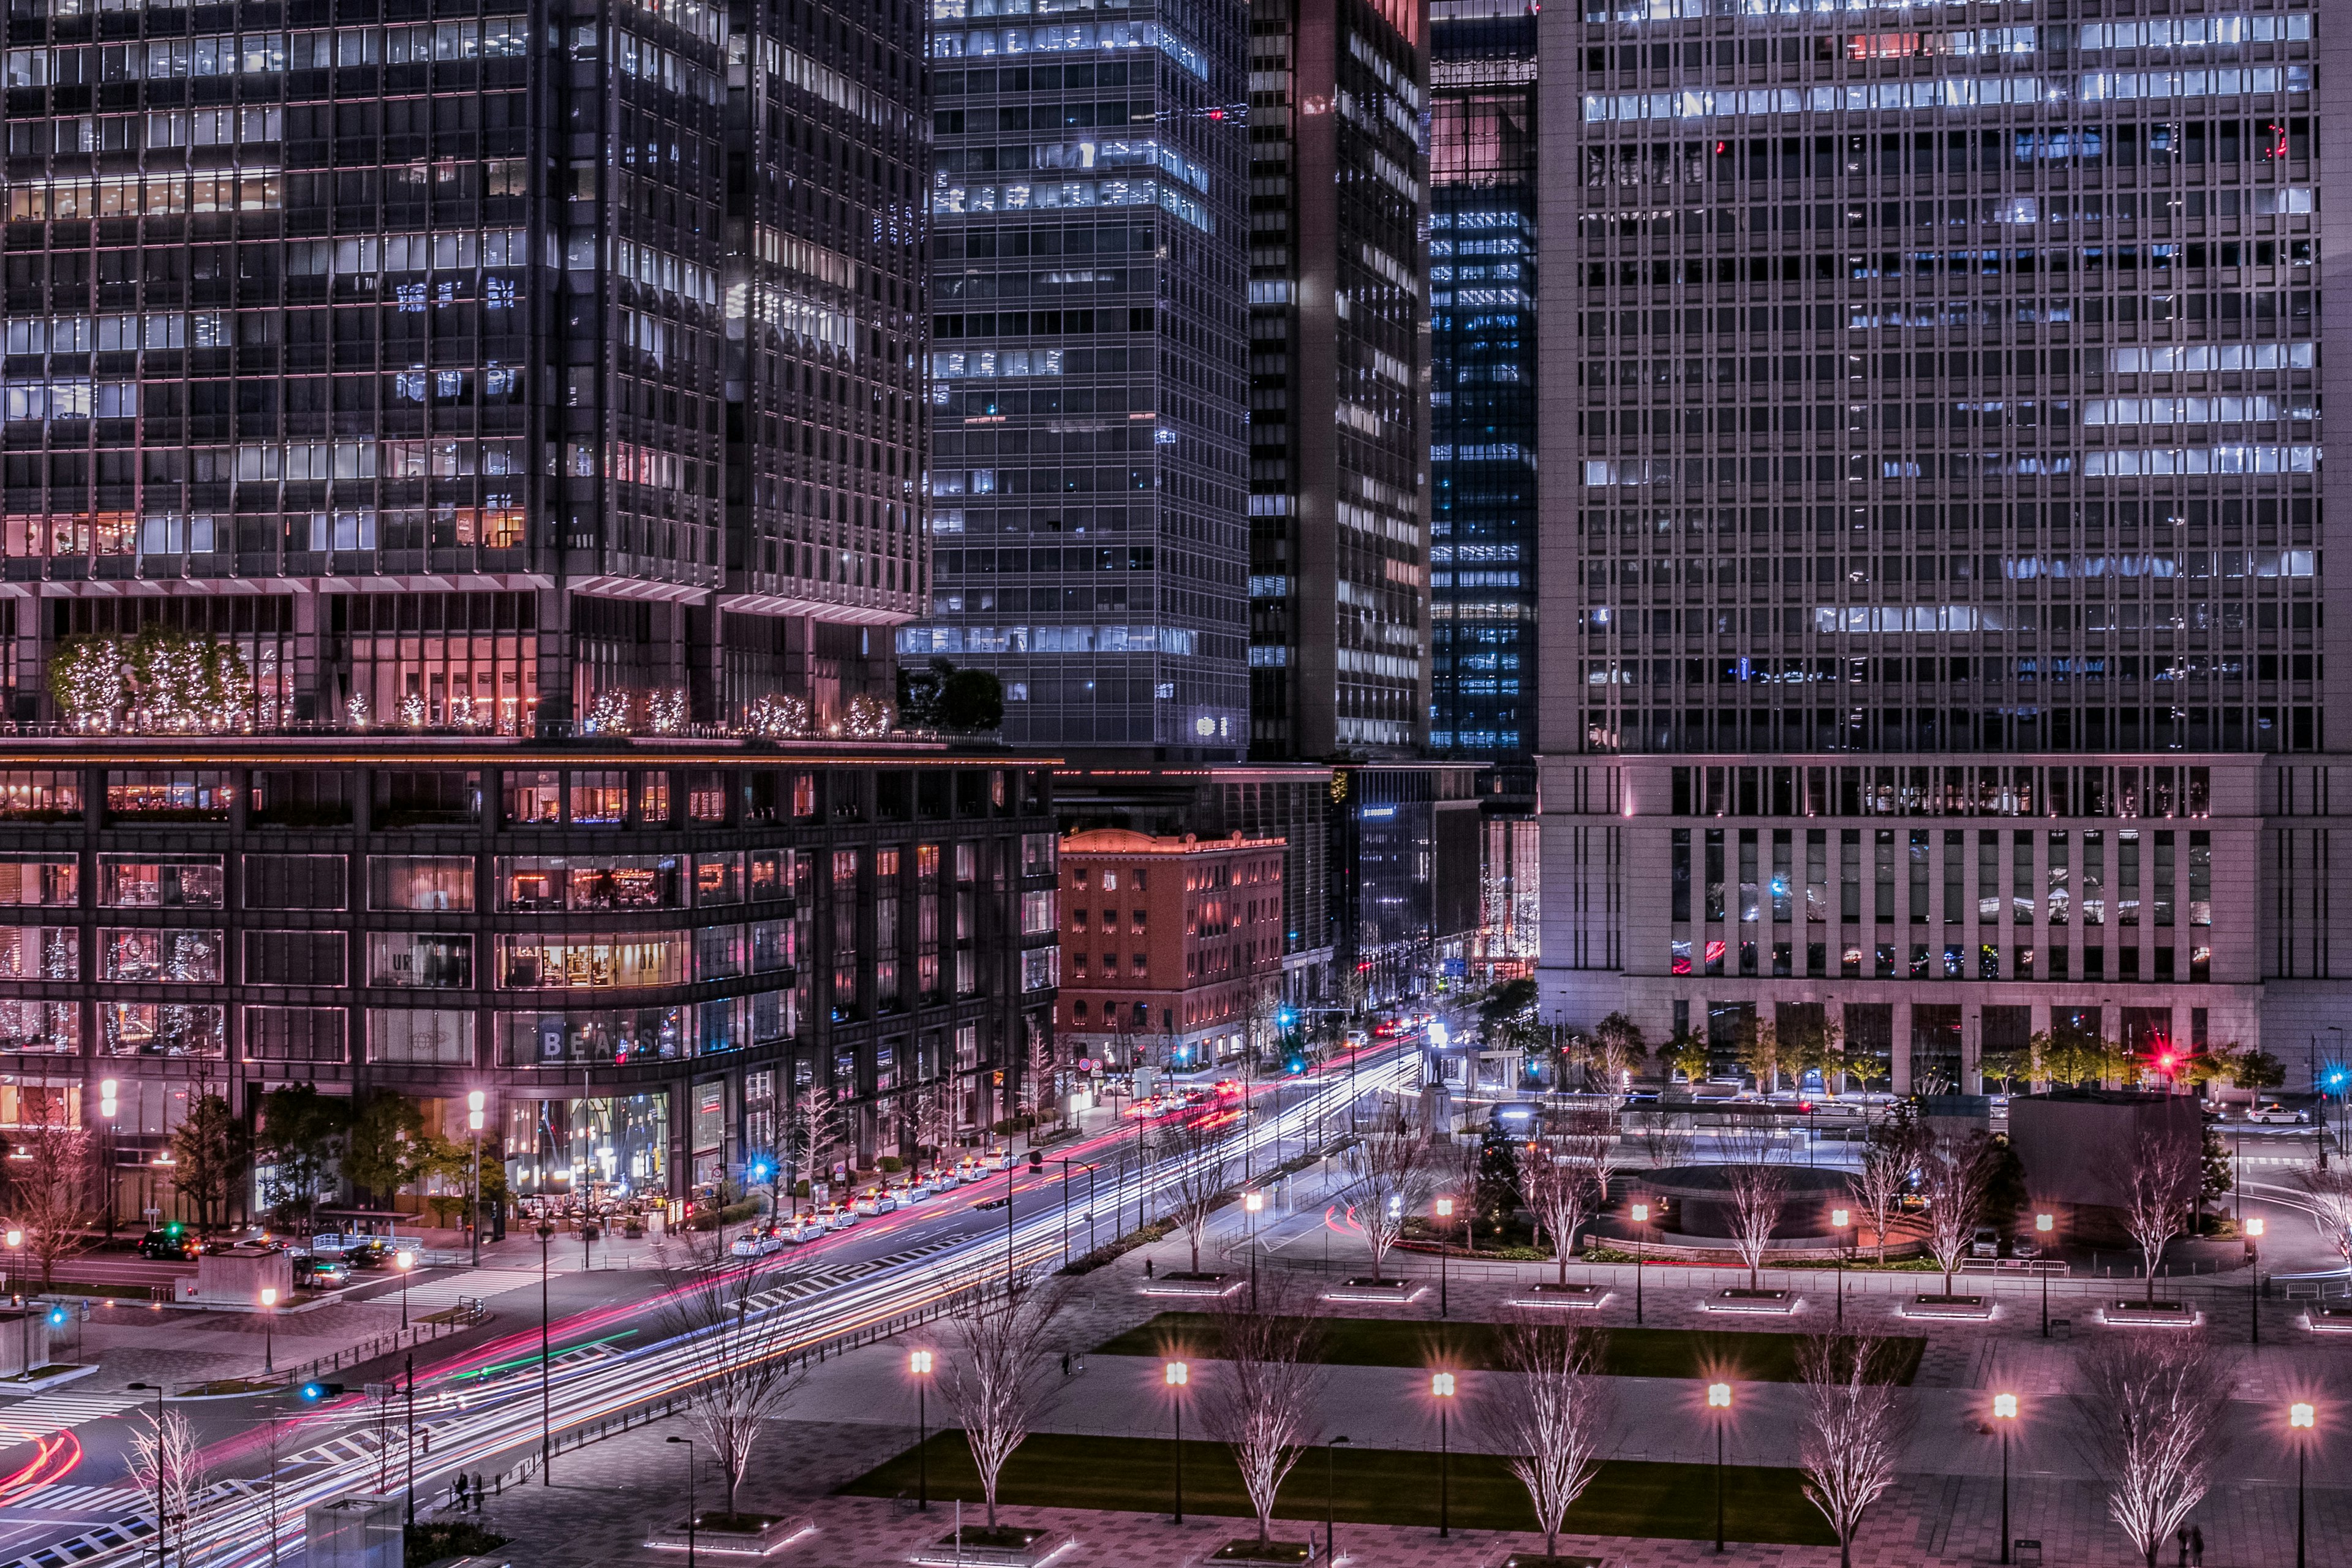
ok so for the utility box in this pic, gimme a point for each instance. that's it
(237, 1277)
(358, 1530)
(24, 1339)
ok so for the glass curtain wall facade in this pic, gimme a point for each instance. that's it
(1936, 391)
(1339, 378)
(413, 355)
(1481, 452)
(1088, 489)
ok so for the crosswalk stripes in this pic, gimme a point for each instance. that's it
(448, 1290)
(46, 1413)
(109, 1501)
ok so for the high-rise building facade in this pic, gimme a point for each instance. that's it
(1482, 400)
(1089, 216)
(494, 371)
(1935, 524)
(1339, 378)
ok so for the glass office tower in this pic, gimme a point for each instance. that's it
(423, 358)
(1339, 378)
(1937, 525)
(1482, 450)
(1087, 370)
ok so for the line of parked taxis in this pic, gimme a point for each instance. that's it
(880, 1198)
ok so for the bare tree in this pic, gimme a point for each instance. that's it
(1855, 1426)
(1663, 1143)
(1955, 1175)
(2329, 1193)
(1550, 1416)
(51, 1178)
(935, 1118)
(1199, 1171)
(739, 1377)
(1758, 1186)
(991, 1386)
(2153, 1405)
(1884, 1177)
(811, 1128)
(166, 1466)
(2156, 1179)
(1389, 1172)
(1557, 1188)
(1618, 1050)
(1261, 1402)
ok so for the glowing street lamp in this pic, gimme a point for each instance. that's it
(476, 1102)
(1839, 1219)
(1719, 1399)
(1251, 1203)
(268, 1323)
(403, 1261)
(918, 1365)
(2045, 1226)
(2254, 1229)
(1641, 1212)
(2300, 1417)
(1444, 1213)
(1441, 1388)
(1176, 1374)
(2004, 1414)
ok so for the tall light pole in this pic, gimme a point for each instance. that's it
(1176, 1374)
(546, 1233)
(1441, 1388)
(474, 1102)
(1330, 1473)
(2299, 1418)
(2254, 1229)
(919, 1365)
(1641, 1212)
(690, 1520)
(1719, 1399)
(1253, 1202)
(2004, 1416)
(1444, 1213)
(269, 1324)
(1839, 1219)
(405, 1262)
(409, 1381)
(2045, 1226)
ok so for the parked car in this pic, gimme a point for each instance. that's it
(757, 1242)
(800, 1229)
(2273, 1114)
(170, 1244)
(1986, 1243)
(312, 1272)
(999, 1160)
(839, 1215)
(873, 1200)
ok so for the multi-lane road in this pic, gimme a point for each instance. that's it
(68, 1495)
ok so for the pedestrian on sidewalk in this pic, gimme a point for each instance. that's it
(1147, 1269)
(1065, 1363)
(2196, 1546)
(2181, 1535)
(457, 1492)
(477, 1491)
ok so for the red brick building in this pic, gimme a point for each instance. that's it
(1167, 943)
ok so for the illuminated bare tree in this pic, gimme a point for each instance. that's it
(2329, 1193)
(1855, 1426)
(1557, 1188)
(740, 1379)
(1261, 1402)
(51, 1180)
(2156, 1179)
(1550, 1417)
(2153, 1405)
(1666, 1143)
(1389, 1172)
(811, 1129)
(1955, 1175)
(1199, 1170)
(991, 1385)
(1757, 1187)
(1884, 1177)
(935, 1118)
(165, 1465)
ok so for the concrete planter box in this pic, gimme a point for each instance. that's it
(1538, 1560)
(978, 1551)
(2150, 1315)
(1390, 1290)
(1586, 1297)
(771, 1537)
(1967, 1309)
(1209, 1285)
(1769, 1303)
(2329, 1320)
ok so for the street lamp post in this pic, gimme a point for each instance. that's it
(691, 1520)
(1331, 1471)
(2254, 1288)
(405, 1262)
(2299, 1418)
(1641, 1212)
(918, 1365)
(1253, 1202)
(1441, 1387)
(474, 1102)
(1444, 1213)
(1719, 1398)
(546, 1233)
(1176, 1374)
(1838, 1220)
(269, 1324)
(2004, 1414)
(106, 1108)
(161, 1532)
(2045, 1226)
(408, 1381)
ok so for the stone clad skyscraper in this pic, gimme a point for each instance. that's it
(1934, 577)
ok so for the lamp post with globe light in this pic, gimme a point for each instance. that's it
(1641, 1212)
(1441, 1388)
(1444, 1213)
(1838, 1221)
(919, 1365)
(2045, 1226)
(1719, 1399)
(2300, 1417)
(269, 1326)
(2254, 1229)
(2004, 1416)
(474, 1115)
(405, 1262)
(1252, 1202)
(1176, 1374)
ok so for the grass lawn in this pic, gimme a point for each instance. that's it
(1745, 1357)
(1370, 1486)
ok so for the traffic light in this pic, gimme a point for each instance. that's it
(57, 1317)
(312, 1393)
(1036, 1160)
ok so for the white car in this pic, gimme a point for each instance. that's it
(756, 1244)
(840, 1216)
(2275, 1115)
(874, 1200)
(800, 1229)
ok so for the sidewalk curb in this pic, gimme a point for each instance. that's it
(12, 1390)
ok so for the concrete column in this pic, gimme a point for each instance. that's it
(1971, 1047)
(1899, 1047)
(308, 700)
